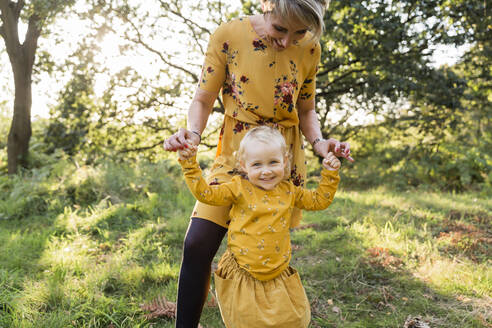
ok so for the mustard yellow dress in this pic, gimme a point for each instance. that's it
(259, 86)
(255, 286)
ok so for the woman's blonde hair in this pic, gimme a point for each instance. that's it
(269, 136)
(308, 12)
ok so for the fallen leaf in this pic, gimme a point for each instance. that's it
(415, 322)
(212, 302)
(159, 308)
(330, 302)
(336, 309)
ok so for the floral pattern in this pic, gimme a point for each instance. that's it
(259, 87)
(268, 121)
(259, 45)
(295, 177)
(205, 72)
(214, 182)
(234, 86)
(285, 89)
(240, 126)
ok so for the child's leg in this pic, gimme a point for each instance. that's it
(202, 241)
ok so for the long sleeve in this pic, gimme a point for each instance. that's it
(218, 195)
(214, 67)
(321, 197)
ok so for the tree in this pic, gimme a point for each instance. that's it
(37, 14)
(174, 40)
(436, 130)
(73, 117)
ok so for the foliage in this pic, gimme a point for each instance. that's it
(376, 59)
(72, 119)
(85, 246)
(148, 107)
(399, 155)
(36, 15)
(440, 140)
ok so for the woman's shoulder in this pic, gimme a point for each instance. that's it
(233, 28)
(310, 44)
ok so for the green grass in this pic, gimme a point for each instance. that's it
(85, 247)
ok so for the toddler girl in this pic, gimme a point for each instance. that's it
(254, 283)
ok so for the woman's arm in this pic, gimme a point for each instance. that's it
(200, 109)
(198, 113)
(310, 128)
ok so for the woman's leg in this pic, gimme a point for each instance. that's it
(202, 240)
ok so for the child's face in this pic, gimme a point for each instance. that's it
(264, 164)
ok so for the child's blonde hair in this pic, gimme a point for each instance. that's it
(269, 136)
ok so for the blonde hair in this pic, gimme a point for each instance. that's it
(266, 135)
(308, 12)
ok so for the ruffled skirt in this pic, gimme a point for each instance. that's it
(246, 302)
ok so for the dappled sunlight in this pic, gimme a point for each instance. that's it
(416, 242)
(385, 240)
(456, 276)
(74, 252)
(114, 240)
(463, 203)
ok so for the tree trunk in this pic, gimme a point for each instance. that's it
(20, 130)
(22, 60)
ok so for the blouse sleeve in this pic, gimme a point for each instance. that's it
(214, 67)
(308, 88)
(218, 195)
(321, 197)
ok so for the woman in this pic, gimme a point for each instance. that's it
(266, 67)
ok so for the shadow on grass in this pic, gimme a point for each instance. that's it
(459, 229)
(352, 283)
(95, 252)
(23, 242)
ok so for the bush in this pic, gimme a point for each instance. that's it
(406, 160)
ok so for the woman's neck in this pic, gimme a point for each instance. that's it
(258, 24)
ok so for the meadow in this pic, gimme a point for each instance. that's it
(87, 246)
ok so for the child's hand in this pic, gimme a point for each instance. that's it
(331, 162)
(187, 152)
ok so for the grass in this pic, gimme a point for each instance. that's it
(85, 247)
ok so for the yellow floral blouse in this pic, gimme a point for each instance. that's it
(260, 85)
(258, 235)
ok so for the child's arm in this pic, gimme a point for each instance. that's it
(321, 197)
(218, 195)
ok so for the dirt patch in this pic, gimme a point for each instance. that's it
(477, 217)
(381, 257)
(467, 238)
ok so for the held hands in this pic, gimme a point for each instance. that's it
(180, 139)
(187, 152)
(339, 149)
(331, 162)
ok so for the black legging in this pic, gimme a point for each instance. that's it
(202, 241)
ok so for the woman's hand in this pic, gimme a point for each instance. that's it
(181, 139)
(340, 149)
